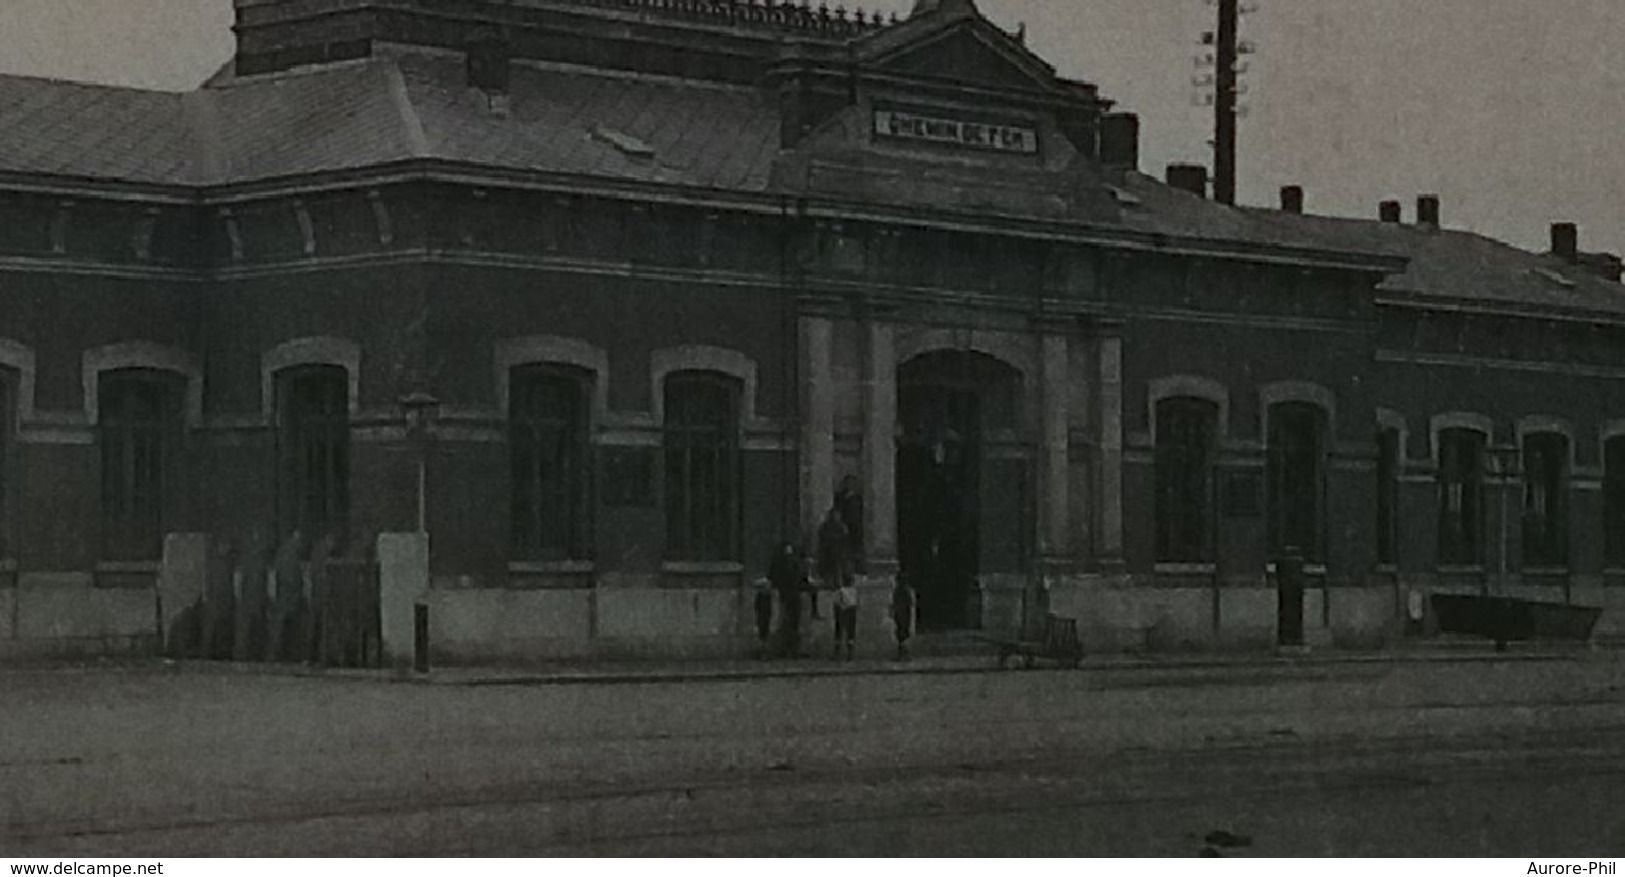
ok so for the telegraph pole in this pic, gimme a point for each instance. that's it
(1226, 57)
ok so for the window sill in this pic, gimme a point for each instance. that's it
(1463, 570)
(1545, 571)
(551, 567)
(1388, 569)
(1186, 569)
(702, 567)
(1309, 569)
(128, 567)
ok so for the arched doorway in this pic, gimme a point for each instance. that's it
(950, 403)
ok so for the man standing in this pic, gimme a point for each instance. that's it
(849, 503)
(788, 579)
(834, 554)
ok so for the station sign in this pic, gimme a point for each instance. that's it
(962, 133)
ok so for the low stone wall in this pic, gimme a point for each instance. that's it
(67, 615)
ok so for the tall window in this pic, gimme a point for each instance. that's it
(137, 432)
(1613, 498)
(7, 427)
(547, 437)
(702, 466)
(313, 403)
(1187, 431)
(1545, 500)
(1389, 460)
(1461, 490)
(1295, 478)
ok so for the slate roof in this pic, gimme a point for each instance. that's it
(93, 132)
(1443, 263)
(407, 105)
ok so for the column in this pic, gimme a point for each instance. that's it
(880, 449)
(1053, 475)
(1109, 390)
(817, 424)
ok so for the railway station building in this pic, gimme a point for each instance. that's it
(610, 297)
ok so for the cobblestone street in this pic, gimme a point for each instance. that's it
(1514, 757)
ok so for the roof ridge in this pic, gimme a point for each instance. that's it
(417, 139)
(98, 86)
(782, 16)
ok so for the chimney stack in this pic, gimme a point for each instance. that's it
(1389, 211)
(1566, 241)
(1292, 199)
(1120, 141)
(1427, 211)
(1190, 178)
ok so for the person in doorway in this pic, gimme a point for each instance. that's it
(834, 554)
(764, 617)
(849, 503)
(902, 615)
(788, 580)
(846, 618)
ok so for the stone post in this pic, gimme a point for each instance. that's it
(403, 582)
(182, 581)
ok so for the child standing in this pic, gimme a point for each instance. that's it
(902, 615)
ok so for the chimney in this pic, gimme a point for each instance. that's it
(1292, 199)
(1120, 141)
(1389, 211)
(1566, 241)
(1190, 178)
(1427, 211)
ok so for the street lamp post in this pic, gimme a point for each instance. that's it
(420, 409)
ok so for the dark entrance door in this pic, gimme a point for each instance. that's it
(938, 489)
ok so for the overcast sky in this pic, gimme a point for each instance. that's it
(1512, 110)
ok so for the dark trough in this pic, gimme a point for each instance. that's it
(1504, 619)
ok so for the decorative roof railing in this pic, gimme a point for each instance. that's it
(794, 16)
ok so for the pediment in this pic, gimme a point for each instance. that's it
(971, 53)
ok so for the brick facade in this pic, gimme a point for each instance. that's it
(979, 340)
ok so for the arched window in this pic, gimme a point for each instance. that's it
(313, 449)
(702, 466)
(1545, 499)
(549, 454)
(1187, 435)
(1295, 477)
(139, 427)
(1461, 491)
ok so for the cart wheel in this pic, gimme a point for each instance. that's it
(1029, 661)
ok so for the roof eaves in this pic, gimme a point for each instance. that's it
(33, 182)
(1411, 299)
